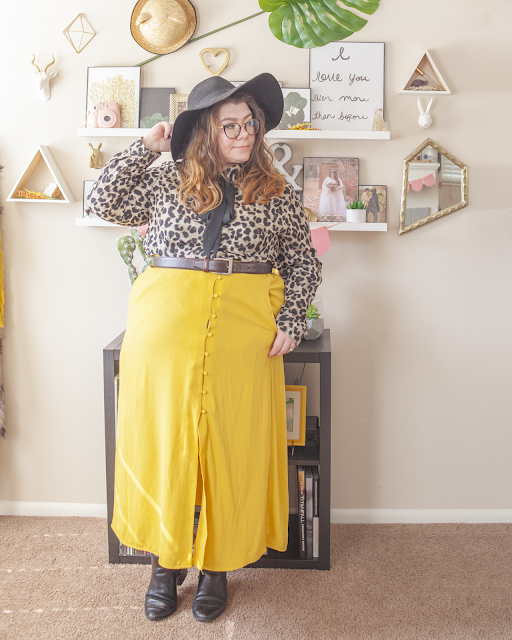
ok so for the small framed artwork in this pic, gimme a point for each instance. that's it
(177, 104)
(119, 85)
(375, 199)
(347, 85)
(87, 187)
(296, 414)
(154, 106)
(330, 184)
(296, 107)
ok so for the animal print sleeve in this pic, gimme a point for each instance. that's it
(122, 193)
(298, 265)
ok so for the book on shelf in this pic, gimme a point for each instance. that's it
(316, 520)
(308, 476)
(301, 507)
(129, 551)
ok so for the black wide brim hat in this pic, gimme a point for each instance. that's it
(264, 88)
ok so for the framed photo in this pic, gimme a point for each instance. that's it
(330, 184)
(115, 84)
(296, 414)
(177, 104)
(347, 85)
(87, 187)
(296, 107)
(375, 199)
(154, 106)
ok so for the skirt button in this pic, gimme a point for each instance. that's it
(203, 410)
(206, 354)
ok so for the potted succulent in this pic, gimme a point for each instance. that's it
(315, 323)
(356, 212)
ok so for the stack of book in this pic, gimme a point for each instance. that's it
(307, 482)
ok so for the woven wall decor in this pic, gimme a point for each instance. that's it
(163, 26)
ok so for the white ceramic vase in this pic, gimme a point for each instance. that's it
(356, 215)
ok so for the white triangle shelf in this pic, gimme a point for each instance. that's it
(43, 153)
(425, 61)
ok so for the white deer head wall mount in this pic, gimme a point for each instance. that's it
(43, 79)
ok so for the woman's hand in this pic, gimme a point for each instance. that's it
(158, 137)
(282, 344)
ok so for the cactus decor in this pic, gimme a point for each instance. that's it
(315, 323)
(312, 312)
(126, 246)
(356, 204)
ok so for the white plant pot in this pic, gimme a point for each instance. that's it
(356, 215)
(315, 328)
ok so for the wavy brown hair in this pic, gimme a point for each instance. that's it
(258, 178)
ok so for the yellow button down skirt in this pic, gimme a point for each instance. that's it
(202, 420)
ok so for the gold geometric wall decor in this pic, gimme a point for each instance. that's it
(43, 154)
(425, 78)
(79, 33)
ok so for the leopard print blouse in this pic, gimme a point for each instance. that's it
(129, 192)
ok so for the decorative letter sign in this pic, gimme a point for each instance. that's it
(347, 85)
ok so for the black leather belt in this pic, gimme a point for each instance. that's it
(214, 265)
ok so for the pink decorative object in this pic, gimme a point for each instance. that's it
(429, 181)
(142, 230)
(416, 184)
(320, 239)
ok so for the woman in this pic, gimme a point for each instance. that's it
(373, 207)
(332, 201)
(202, 415)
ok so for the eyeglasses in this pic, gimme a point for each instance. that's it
(232, 130)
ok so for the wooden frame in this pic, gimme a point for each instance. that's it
(42, 154)
(296, 414)
(176, 101)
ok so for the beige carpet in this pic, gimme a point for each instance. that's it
(386, 582)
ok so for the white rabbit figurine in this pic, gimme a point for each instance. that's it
(424, 119)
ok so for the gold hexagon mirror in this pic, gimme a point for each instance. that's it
(435, 184)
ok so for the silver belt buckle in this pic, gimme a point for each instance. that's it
(230, 267)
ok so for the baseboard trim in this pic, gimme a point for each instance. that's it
(61, 509)
(338, 516)
(417, 516)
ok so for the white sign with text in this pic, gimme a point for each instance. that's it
(347, 85)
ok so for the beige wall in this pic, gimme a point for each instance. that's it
(420, 324)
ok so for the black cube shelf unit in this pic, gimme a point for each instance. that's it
(314, 351)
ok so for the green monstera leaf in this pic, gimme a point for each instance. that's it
(314, 23)
(293, 112)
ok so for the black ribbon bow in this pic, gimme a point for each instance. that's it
(216, 218)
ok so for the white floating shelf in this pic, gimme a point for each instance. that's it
(95, 222)
(350, 226)
(275, 134)
(340, 226)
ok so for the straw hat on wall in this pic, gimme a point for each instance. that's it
(163, 26)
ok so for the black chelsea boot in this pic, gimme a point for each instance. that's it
(161, 598)
(211, 596)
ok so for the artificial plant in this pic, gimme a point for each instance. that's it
(126, 246)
